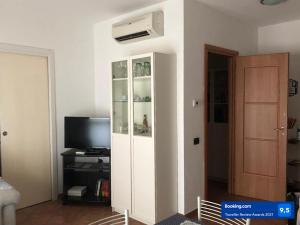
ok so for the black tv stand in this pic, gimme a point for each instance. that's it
(97, 151)
(78, 172)
(92, 153)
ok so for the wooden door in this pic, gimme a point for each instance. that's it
(261, 126)
(24, 115)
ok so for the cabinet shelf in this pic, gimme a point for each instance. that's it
(124, 132)
(88, 167)
(142, 135)
(120, 79)
(142, 78)
(142, 101)
(121, 101)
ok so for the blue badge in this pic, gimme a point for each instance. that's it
(258, 210)
(284, 210)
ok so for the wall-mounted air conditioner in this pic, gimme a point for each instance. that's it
(139, 28)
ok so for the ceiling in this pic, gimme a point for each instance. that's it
(98, 10)
(104, 9)
(253, 12)
(89, 10)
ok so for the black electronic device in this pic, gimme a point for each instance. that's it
(91, 134)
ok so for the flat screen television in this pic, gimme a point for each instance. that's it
(87, 133)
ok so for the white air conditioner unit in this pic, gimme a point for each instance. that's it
(140, 28)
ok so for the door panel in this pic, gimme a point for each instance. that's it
(258, 114)
(261, 121)
(264, 80)
(256, 153)
(121, 172)
(24, 114)
(143, 179)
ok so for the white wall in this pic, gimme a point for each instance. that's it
(107, 50)
(203, 25)
(285, 37)
(71, 37)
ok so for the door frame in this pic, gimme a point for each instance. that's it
(49, 54)
(232, 54)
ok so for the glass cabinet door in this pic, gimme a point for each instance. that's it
(142, 96)
(120, 96)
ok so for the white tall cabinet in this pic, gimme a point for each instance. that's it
(144, 136)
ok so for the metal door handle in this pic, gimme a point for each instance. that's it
(278, 129)
(4, 133)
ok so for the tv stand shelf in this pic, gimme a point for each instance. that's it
(89, 167)
(86, 170)
(95, 153)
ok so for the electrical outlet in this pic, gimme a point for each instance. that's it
(195, 103)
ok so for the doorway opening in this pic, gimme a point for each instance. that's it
(219, 114)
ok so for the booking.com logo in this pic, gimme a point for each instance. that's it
(237, 206)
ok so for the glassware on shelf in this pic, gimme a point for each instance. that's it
(137, 98)
(120, 97)
(124, 68)
(119, 69)
(123, 128)
(139, 70)
(141, 97)
(147, 69)
(120, 118)
(147, 99)
(120, 90)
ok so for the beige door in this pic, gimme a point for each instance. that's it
(261, 126)
(24, 115)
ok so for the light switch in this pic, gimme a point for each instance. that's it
(196, 141)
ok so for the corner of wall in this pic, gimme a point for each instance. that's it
(106, 50)
(204, 25)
